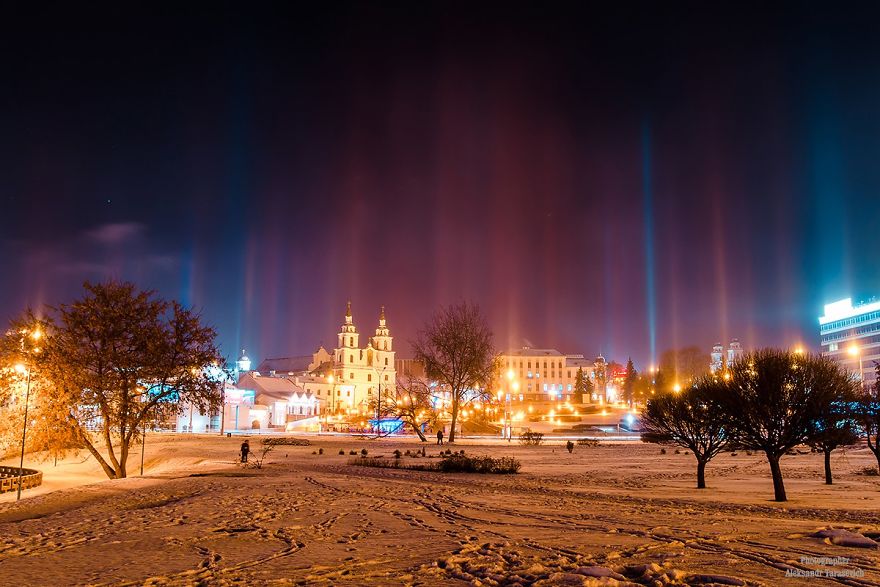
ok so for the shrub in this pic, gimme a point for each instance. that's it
(286, 441)
(397, 454)
(320, 451)
(314, 452)
(529, 438)
(870, 471)
(352, 452)
(570, 446)
(591, 442)
(662, 451)
(363, 452)
(453, 464)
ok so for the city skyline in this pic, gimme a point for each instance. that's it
(598, 179)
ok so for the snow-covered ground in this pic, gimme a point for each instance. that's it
(615, 514)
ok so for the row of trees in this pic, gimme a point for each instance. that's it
(103, 367)
(770, 401)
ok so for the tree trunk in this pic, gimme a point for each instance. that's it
(454, 419)
(123, 460)
(875, 448)
(418, 430)
(776, 472)
(701, 474)
(828, 480)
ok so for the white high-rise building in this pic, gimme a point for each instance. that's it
(851, 336)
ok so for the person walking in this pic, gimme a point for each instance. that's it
(440, 436)
(245, 449)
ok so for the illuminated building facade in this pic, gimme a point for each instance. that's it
(359, 373)
(545, 375)
(720, 359)
(850, 334)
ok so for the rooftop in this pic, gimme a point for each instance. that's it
(843, 309)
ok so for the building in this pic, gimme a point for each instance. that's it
(850, 334)
(347, 381)
(720, 359)
(278, 401)
(544, 375)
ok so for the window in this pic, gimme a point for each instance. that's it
(369, 376)
(530, 374)
(569, 387)
(520, 397)
(351, 375)
(386, 361)
(545, 387)
(530, 365)
(348, 393)
(350, 341)
(351, 358)
(386, 378)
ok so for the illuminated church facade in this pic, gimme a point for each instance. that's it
(359, 374)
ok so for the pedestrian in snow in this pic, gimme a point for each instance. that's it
(440, 436)
(245, 449)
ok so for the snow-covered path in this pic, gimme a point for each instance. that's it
(622, 510)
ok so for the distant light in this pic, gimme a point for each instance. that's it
(676, 388)
(854, 350)
(20, 368)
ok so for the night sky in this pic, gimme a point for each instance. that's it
(616, 178)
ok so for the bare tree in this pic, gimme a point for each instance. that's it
(456, 348)
(867, 414)
(690, 419)
(774, 398)
(119, 355)
(413, 403)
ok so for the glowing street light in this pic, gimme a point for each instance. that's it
(676, 388)
(856, 351)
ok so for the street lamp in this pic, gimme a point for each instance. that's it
(856, 351)
(332, 404)
(514, 386)
(21, 368)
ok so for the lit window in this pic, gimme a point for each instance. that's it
(545, 387)
(569, 387)
(530, 374)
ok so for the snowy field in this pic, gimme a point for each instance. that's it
(617, 514)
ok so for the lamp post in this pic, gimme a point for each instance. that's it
(856, 351)
(21, 368)
(332, 381)
(27, 396)
(512, 386)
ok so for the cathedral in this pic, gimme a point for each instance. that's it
(360, 374)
